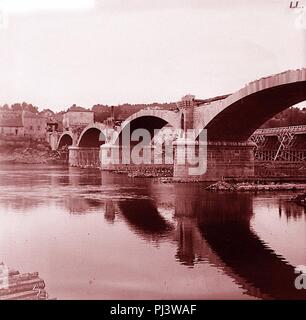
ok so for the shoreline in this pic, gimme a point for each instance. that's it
(255, 187)
(30, 155)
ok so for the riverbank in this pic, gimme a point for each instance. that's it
(246, 186)
(33, 154)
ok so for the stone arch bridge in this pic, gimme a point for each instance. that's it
(230, 121)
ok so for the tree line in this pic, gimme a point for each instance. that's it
(290, 117)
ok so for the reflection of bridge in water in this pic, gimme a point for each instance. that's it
(211, 228)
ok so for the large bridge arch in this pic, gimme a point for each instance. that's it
(150, 120)
(65, 139)
(238, 115)
(91, 136)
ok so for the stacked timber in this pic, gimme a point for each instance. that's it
(16, 286)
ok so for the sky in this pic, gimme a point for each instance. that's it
(55, 53)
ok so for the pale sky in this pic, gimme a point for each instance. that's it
(55, 53)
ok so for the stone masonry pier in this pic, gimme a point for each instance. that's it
(84, 157)
(224, 159)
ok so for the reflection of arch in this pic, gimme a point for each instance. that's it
(143, 216)
(150, 120)
(66, 139)
(226, 229)
(91, 136)
(247, 256)
(227, 241)
(240, 114)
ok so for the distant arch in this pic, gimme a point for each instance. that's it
(66, 139)
(150, 120)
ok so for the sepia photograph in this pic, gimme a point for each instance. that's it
(152, 150)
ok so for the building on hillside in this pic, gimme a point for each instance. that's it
(22, 123)
(35, 125)
(52, 122)
(77, 118)
(11, 123)
(58, 117)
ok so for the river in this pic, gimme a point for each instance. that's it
(94, 235)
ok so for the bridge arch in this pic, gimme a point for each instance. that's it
(151, 120)
(91, 136)
(238, 115)
(65, 139)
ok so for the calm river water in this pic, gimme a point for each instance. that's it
(94, 235)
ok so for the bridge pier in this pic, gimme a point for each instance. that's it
(111, 157)
(224, 159)
(118, 158)
(84, 157)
